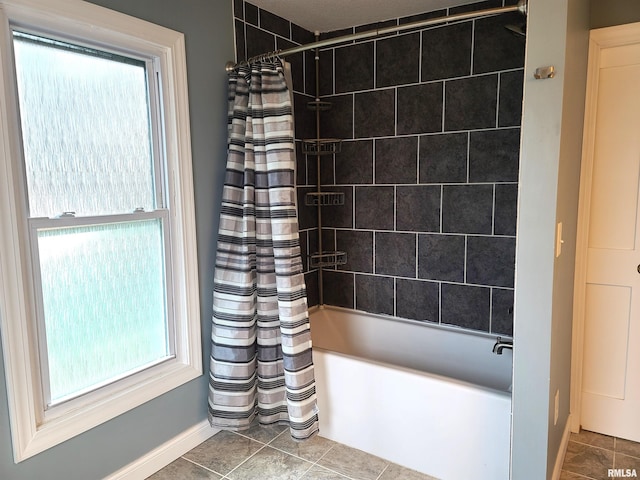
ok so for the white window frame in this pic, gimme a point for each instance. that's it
(34, 428)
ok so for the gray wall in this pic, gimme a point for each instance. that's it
(568, 191)
(208, 29)
(549, 182)
(605, 13)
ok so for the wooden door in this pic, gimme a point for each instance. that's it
(611, 363)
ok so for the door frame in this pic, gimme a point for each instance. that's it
(599, 39)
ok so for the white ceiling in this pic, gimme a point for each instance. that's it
(328, 15)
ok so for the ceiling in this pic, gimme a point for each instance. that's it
(328, 15)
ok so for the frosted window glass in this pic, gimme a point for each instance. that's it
(103, 297)
(85, 127)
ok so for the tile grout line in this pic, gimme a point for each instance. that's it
(591, 445)
(325, 454)
(383, 470)
(312, 463)
(269, 444)
(305, 472)
(264, 445)
(613, 451)
(201, 466)
(615, 445)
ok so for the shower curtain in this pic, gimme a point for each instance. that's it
(260, 365)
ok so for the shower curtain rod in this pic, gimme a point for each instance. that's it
(520, 7)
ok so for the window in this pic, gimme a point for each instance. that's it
(98, 293)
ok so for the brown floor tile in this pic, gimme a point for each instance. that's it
(628, 447)
(320, 473)
(271, 464)
(395, 472)
(627, 462)
(183, 469)
(263, 433)
(353, 463)
(595, 439)
(587, 460)
(223, 452)
(311, 449)
(564, 475)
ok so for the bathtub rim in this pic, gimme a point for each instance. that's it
(414, 371)
(421, 323)
(503, 393)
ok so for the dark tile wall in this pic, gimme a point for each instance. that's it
(259, 31)
(431, 127)
(429, 165)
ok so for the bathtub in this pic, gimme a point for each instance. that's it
(436, 400)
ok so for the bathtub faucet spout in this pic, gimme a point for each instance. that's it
(501, 345)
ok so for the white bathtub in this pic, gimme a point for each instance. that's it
(436, 400)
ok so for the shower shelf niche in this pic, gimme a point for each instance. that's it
(327, 259)
(321, 146)
(324, 199)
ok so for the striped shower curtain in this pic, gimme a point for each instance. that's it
(260, 365)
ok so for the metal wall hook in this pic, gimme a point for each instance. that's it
(542, 73)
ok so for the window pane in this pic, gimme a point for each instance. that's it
(104, 306)
(85, 126)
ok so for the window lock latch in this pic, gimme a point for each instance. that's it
(67, 214)
(138, 210)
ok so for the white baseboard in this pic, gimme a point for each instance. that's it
(562, 450)
(166, 453)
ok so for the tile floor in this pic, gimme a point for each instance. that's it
(590, 455)
(269, 453)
